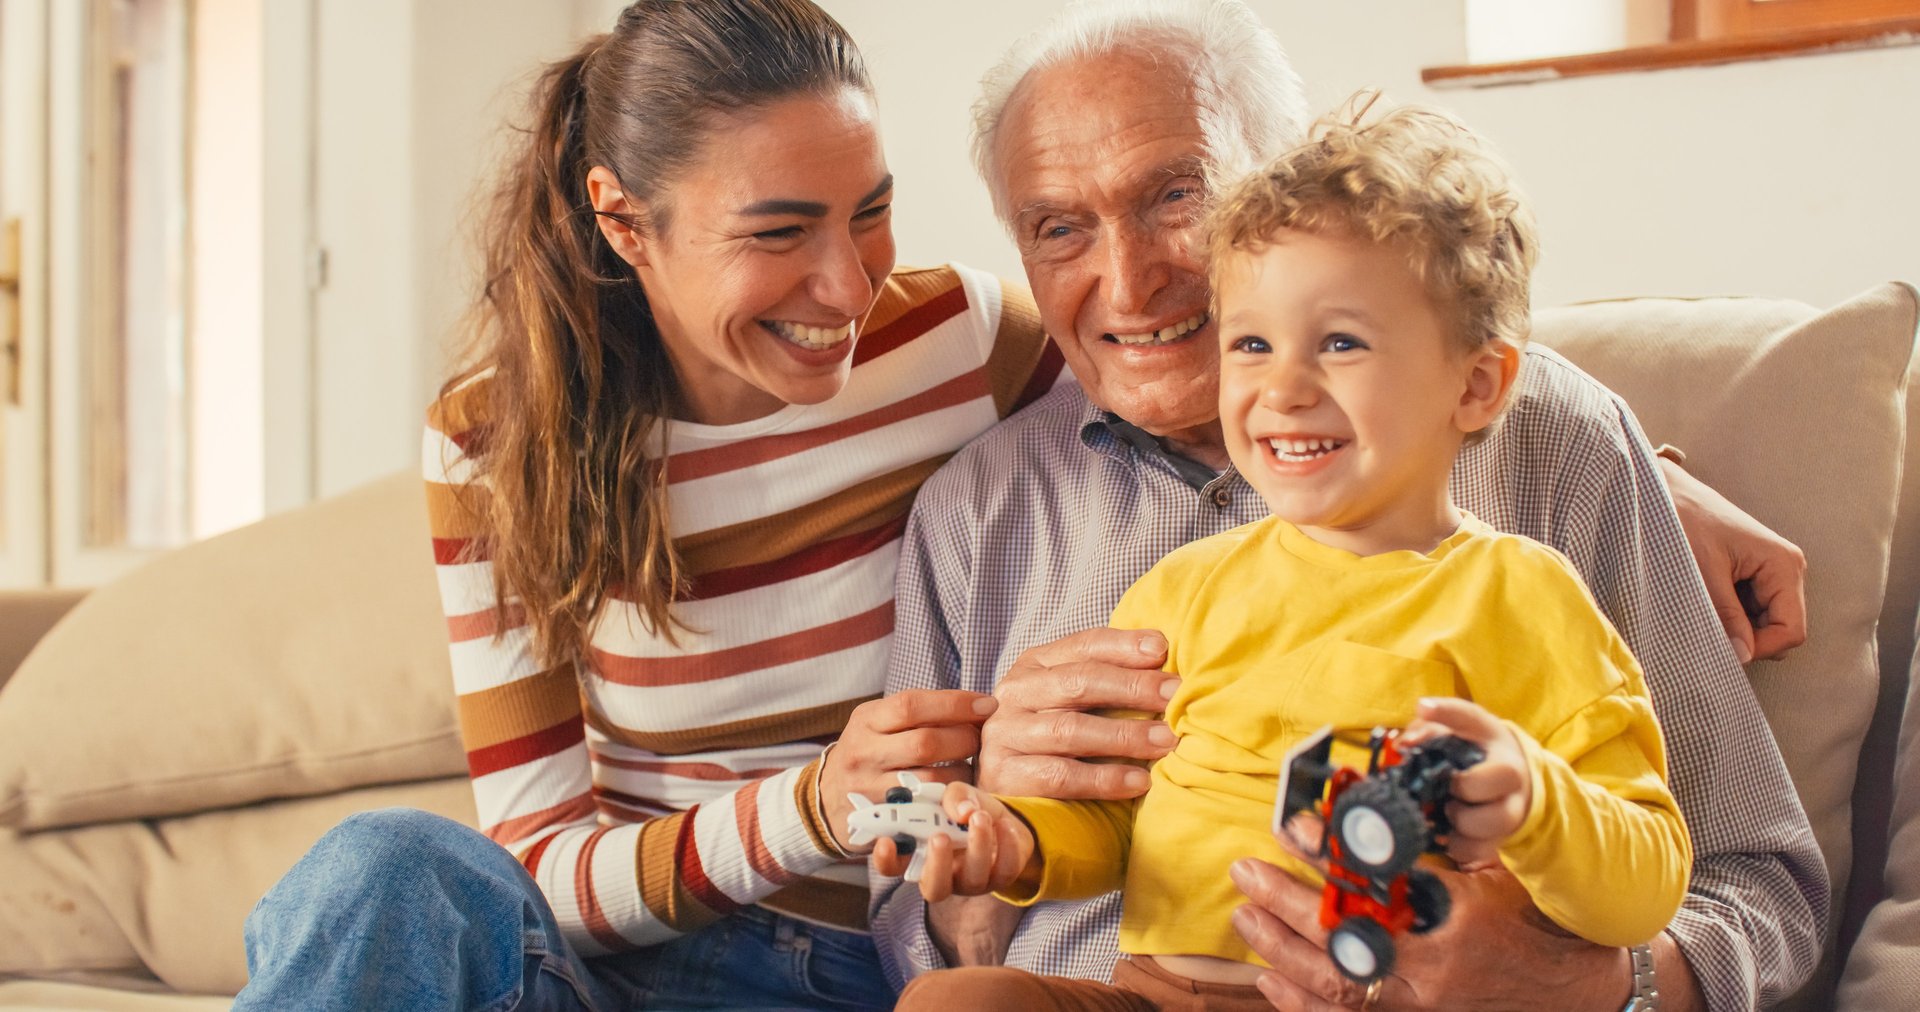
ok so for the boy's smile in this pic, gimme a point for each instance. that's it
(1344, 391)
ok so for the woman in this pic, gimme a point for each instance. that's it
(666, 506)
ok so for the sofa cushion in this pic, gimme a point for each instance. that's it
(1798, 417)
(171, 894)
(301, 655)
(1883, 970)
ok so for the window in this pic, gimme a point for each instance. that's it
(1513, 41)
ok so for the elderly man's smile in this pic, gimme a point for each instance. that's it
(1165, 335)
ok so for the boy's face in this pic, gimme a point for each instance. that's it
(1344, 394)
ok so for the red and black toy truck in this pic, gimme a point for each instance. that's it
(1378, 823)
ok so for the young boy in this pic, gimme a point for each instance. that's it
(1372, 290)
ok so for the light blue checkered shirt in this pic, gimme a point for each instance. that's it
(1033, 532)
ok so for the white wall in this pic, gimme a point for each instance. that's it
(1785, 177)
(410, 100)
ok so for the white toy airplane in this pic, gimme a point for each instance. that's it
(910, 815)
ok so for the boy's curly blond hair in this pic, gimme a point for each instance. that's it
(1414, 177)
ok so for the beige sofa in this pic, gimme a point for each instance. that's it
(179, 738)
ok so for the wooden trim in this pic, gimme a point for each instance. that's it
(1688, 53)
(1748, 17)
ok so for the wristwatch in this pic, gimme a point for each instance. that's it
(1646, 994)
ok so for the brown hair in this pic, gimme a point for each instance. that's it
(581, 388)
(1412, 176)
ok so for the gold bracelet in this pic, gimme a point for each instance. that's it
(820, 802)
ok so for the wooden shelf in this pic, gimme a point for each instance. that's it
(1690, 53)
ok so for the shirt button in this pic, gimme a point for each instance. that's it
(1221, 497)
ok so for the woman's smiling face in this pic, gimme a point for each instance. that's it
(764, 253)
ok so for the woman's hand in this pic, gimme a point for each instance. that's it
(930, 733)
(999, 847)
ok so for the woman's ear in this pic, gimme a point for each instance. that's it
(1490, 374)
(617, 216)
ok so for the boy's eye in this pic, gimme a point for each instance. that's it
(1343, 342)
(1251, 345)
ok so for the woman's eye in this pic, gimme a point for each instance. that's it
(875, 213)
(774, 234)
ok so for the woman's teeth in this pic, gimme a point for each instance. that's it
(1296, 450)
(1164, 335)
(817, 338)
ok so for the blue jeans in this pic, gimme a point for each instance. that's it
(402, 910)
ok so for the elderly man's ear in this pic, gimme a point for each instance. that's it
(617, 216)
(1490, 375)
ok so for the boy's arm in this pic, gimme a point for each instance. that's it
(1080, 849)
(1603, 850)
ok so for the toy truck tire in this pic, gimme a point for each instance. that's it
(1381, 831)
(1427, 895)
(1361, 949)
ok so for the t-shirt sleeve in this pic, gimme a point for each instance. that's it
(1603, 851)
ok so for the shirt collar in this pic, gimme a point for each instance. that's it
(1105, 432)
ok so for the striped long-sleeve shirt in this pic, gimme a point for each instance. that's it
(666, 785)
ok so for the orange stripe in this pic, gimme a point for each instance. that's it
(456, 511)
(874, 501)
(746, 819)
(805, 800)
(460, 411)
(575, 809)
(813, 723)
(907, 288)
(518, 708)
(698, 464)
(686, 669)
(912, 325)
(655, 867)
(819, 899)
(1018, 346)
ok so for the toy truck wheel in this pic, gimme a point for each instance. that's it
(1427, 895)
(1380, 830)
(899, 795)
(1361, 949)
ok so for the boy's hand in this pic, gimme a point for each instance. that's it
(1491, 798)
(999, 847)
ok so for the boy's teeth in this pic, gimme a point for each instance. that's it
(1164, 334)
(1303, 449)
(811, 337)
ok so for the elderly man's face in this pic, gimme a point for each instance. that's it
(1101, 160)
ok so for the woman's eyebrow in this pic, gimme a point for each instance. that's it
(808, 208)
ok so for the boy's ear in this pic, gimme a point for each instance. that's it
(1490, 376)
(617, 216)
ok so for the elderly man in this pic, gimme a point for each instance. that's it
(1097, 136)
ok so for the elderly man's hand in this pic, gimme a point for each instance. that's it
(1495, 951)
(1034, 744)
(1757, 579)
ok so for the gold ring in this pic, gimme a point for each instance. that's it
(1373, 993)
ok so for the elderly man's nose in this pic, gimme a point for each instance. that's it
(1137, 269)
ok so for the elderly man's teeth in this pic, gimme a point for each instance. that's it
(1164, 335)
(1303, 449)
(810, 337)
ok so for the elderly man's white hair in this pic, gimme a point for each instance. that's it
(1252, 105)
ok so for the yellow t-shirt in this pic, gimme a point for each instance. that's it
(1276, 635)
